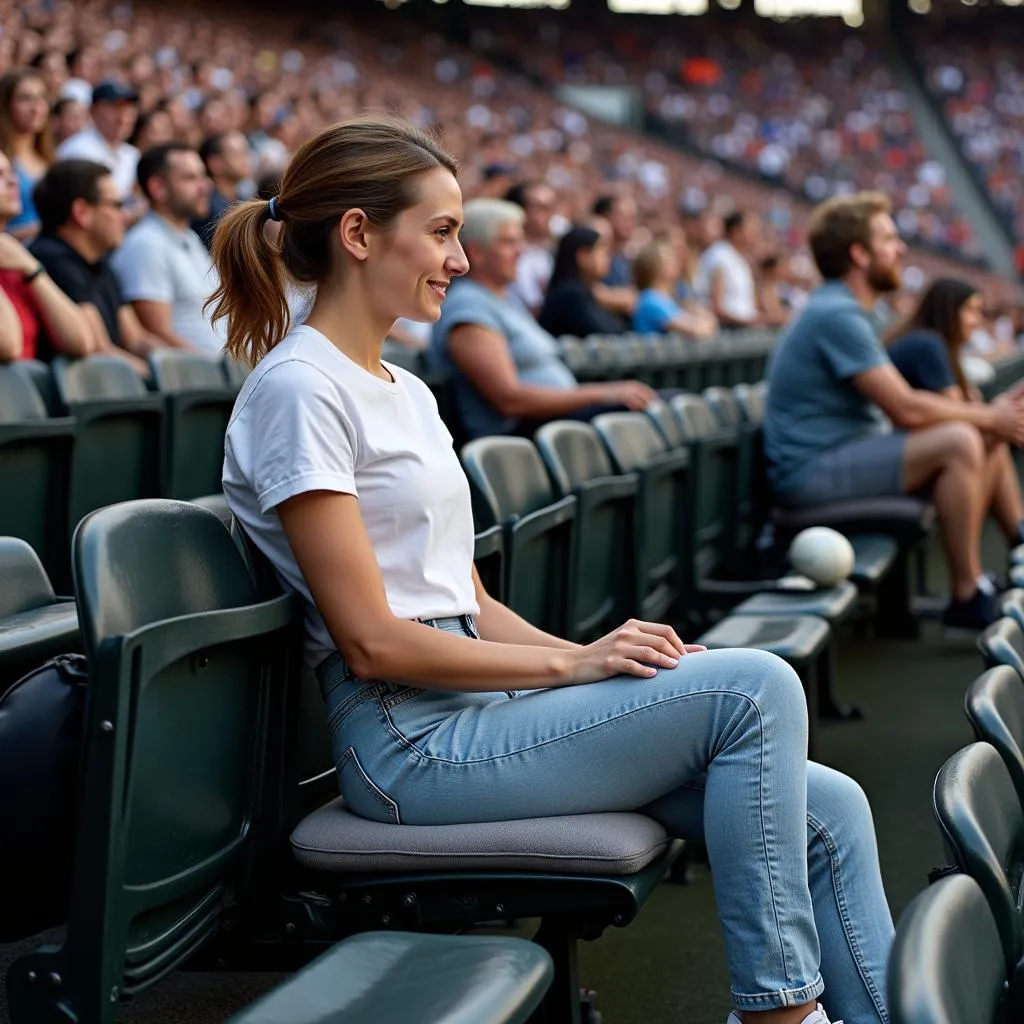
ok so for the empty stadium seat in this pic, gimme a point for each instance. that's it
(1011, 604)
(119, 433)
(982, 825)
(35, 624)
(181, 650)
(489, 559)
(35, 463)
(379, 977)
(601, 593)
(1003, 644)
(995, 708)
(199, 405)
(946, 963)
(511, 489)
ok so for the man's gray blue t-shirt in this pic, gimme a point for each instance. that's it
(813, 405)
(533, 351)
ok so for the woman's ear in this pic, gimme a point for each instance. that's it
(353, 233)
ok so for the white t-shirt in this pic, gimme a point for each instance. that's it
(122, 159)
(739, 298)
(310, 419)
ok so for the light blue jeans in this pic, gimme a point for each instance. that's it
(714, 749)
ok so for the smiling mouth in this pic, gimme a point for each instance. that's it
(439, 288)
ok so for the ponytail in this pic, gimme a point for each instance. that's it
(251, 293)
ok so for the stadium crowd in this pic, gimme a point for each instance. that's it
(215, 104)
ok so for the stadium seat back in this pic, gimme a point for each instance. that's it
(946, 965)
(752, 399)
(35, 462)
(982, 825)
(182, 655)
(199, 405)
(39, 374)
(995, 708)
(636, 446)
(668, 426)
(95, 379)
(511, 488)
(602, 587)
(489, 559)
(725, 406)
(1003, 644)
(695, 416)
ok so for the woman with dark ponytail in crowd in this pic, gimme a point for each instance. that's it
(928, 350)
(446, 707)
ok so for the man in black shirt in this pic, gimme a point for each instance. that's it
(82, 221)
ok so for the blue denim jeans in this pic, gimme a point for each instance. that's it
(714, 749)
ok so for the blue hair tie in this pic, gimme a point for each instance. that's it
(272, 209)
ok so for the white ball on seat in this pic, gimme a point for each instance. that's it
(822, 554)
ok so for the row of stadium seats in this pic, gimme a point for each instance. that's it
(959, 952)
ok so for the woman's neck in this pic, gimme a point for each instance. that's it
(24, 147)
(345, 317)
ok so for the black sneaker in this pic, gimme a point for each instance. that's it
(978, 612)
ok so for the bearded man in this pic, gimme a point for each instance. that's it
(841, 423)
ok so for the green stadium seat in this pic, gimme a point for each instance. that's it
(982, 825)
(343, 874)
(119, 433)
(511, 489)
(601, 592)
(489, 558)
(199, 405)
(40, 376)
(635, 446)
(378, 977)
(217, 504)
(35, 463)
(751, 399)
(946, 963)
(995, 708)
(182, 655)
(35, 624)
(1003, 644)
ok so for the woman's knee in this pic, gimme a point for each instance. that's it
(771, 684)
(838, 803)
(964, 443)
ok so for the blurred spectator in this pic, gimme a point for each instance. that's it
(581, 261)
(228, 161)
(536, 261)
(726, 268)
(770, 299)
(153, 128)
(49, 322)
(82, 222)
(25, 140)
(114, 109)
(163, 267)
(69, 117)
(928, 350)
(620, 212)
(506, 371)
(656, 272)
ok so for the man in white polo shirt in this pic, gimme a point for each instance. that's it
(726, 269)
(163, 267)
(115, 108)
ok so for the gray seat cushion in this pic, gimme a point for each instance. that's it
(335, 839)
(1017, 555)
(798, 640)
(833, 604)
(379, 977)
(873, 556)
(905, 518)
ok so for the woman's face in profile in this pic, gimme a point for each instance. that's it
(972, 314)
(596, 261)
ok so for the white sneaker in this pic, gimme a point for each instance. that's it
(817, 1016)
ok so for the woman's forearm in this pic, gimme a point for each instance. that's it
(500, 624)
(65, 322)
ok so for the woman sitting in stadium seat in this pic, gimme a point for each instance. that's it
(927, 349)
(582, 260)
(445, 706)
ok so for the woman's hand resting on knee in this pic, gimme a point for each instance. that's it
(634, 649)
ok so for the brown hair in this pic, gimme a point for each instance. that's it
(648, 263)
(939, 311)
(369, 163)
(839, 223)
(43, 141)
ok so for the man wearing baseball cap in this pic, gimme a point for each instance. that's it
(115, 106)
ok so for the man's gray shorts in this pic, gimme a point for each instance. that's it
(869, 468)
